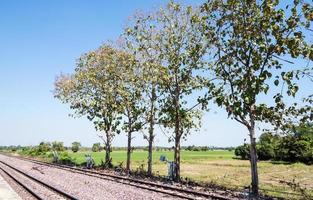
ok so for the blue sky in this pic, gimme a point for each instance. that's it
(40, 39)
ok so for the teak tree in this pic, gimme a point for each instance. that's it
(252, 41)
(141, 38)
(179, 48)
(92, 91)
(129, 88)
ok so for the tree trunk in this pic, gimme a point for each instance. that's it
(177, 159)
(177, 136)
(129, 139)
(151, 131)
(150, 153)
(253, 162)
(108, 160)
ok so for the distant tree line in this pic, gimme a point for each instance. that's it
(42, 148)
(45, 147)
(186, 148)
(294, 147)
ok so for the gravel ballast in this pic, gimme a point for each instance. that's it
(82, 186)
(23, 194)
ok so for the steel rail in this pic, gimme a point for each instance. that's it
(103, 175)
(22, 185)
(54, 189)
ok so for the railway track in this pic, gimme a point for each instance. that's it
(155, 187)
(32, 184)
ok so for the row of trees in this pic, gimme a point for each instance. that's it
(169, 64)
(39, 150)
(294, 147)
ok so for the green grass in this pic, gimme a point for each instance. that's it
(140, 157)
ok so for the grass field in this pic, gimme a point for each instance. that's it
(220, 167)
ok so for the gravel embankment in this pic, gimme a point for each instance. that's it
(83, 186)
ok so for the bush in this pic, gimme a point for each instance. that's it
(58, 146)
(294, 147)
(243, 151)
(65, 159)
(96, 147)
(44, 147)
(266, 146)
(75, 146)
(265, 152)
